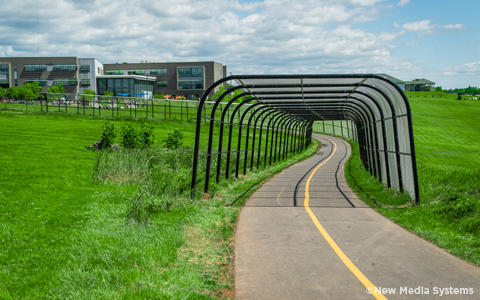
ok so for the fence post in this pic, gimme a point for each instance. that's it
(181, 110)
(170, 110)
(348, 130)
(186, 103)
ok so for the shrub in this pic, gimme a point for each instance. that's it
(146, 136)
(174, 140)
(108, 135)
(130, 138)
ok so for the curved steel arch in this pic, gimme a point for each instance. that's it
(377, 107)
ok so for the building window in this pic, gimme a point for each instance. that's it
(84, 82)
(136, 72)
(41, 82)
(114, 72)
(190, 72)
(4, 83)
(85, 68)
(4, 69)
(158, 71)
(161, 83)
(191, 78)
(190, 85)
(35, 68)
(66, 82)
(64, 67)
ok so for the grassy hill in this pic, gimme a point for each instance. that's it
(434, 94)
(447, 142)
(75, 224)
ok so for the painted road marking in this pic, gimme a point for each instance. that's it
(364, 280)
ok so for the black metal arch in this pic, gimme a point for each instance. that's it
(284, 109)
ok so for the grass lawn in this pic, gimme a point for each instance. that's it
(447, 135)
(67, 230)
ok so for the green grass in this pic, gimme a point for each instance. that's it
(162, 110)
(67, 227)
(447, 135)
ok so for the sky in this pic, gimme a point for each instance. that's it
(408, 39)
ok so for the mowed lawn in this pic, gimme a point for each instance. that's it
(68, 227)
(447, 144)
(46, 192)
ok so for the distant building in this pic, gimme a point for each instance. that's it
(186, 79)
(399, 82)
(419, 85)
(414, 85)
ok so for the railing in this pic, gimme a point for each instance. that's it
(112, 106)
(341, 128)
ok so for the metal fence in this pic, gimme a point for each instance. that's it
(374, 110)
(341, 128)
(112, 106)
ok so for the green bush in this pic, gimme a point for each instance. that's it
(130, 137)
(146, 136)
(108, 135)
(174, 140)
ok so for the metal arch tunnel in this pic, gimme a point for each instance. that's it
(286, 106)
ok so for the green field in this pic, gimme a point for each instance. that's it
(76, 224)
(447, 142)
(158, 109)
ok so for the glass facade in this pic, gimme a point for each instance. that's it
(124, 86)
(161, 83)
(84, 68)
(84, 82)
(4, 83)
(64, 67)
(114, 72)
(66, 82)
(136, 72)
(4, 69)
(36, 68)
(191, 78)
(158, 71)
(41, 82)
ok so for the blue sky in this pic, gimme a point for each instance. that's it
(437, 40)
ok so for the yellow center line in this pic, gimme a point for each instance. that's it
(364, 280)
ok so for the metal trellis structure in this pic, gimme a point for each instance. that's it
(279, 123)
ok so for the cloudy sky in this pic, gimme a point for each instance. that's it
(434, 39)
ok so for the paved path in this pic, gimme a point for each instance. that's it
(280, 253)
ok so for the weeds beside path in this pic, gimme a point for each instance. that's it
(68, 234)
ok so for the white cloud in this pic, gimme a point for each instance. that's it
(454, 26)
(273, 36)
(425, 27)
(403, 3)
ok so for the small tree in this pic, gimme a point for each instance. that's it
(108, 135)
(174, 140)
(53, 91)
(130, 139)
(89, 92)
(29, 91)
(12, 92)
(57, 89)
(146, 136)
(2, 92)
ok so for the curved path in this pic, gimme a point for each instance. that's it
(330, 245)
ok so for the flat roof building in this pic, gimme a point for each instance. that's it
(186, 79)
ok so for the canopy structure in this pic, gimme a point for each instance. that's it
(287, 106)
